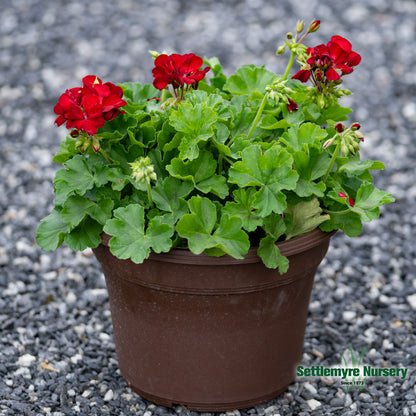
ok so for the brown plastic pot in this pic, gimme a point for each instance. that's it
(211, 333)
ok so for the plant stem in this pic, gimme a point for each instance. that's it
(345, 211)
(289, 65)
(332, 160)
(149, 195)
(220, 158)
(163, 97)
(258, 115)
(106, 156)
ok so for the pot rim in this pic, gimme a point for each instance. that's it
(287, 248)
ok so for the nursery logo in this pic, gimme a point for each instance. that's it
(352, 372)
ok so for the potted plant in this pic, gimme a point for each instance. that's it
(210, 204)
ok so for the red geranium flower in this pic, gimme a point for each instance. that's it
(324, 61)
(88, 108)
(178, 70)
(110, 95)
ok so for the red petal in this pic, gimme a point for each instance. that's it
(60, 120)
(112, 102)
(353, 59)
(344, 68)
(115, 89)
(332, 75)
(341, 42)
(302, 75)
(91, 80)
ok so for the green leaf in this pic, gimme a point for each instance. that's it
(275, 226)
(80, 175)
(75, 209)
(118, 178)
(349, 222)
(368, 201)
(311, 166)
(198, 228)
(250, 80)
(201, 171)
(306, 216)
(138, 93)
(169, 196)
(220, 138)
(101, 211)
(196, 122)
(117, 129)
(243, 209)
(230, 238)
(271, 171)
(86, 234)
(51, 231)
(335, 113)
(354, 166)
(269, 122)
(306, 134)
(271, 256)
(67, 150)
(219, 79)
(129, 237)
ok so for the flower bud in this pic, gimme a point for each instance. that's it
(281, 50)
(355, 126)
(351, 148)
(318, 74)
(328, 142)
(300, 25)
(321, 101)
(74, 133)
(289, 35)
(95, 144)
(154, 54)
(314, 26)
(359, 135)
(339, 127)
(143, 170)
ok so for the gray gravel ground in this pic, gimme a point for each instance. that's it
(54, 308)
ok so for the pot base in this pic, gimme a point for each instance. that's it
(209, 407)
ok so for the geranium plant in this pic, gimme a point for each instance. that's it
(212, 163)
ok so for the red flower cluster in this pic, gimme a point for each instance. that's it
(89, 107)
(178, 71)
(324, 61)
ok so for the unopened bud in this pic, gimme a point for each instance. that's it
(355, 126)
(281, 50)
(143, 170)
(300, 25)
(289, 35)
(351, 148)
(339, 127)
(321, 101)
(74, 133)
(95, 144)
(328, 142)
(314, 26)
(344, 149)
(318, 74)
(154, 54)
(359, 135)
